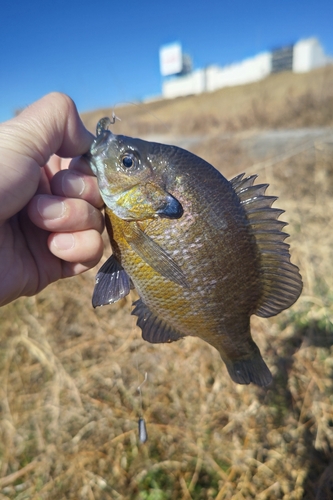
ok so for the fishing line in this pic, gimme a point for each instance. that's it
(114, 118)
(142, 429)
(140, 106)
(143, 435)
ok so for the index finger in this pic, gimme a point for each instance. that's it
(50, 125)
(75, 184)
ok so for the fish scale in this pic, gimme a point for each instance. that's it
(203, 253)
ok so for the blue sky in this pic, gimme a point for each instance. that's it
(106, 52)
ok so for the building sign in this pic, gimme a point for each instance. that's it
(171, 59)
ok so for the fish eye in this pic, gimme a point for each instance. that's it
(129, 160)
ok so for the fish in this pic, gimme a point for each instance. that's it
(203, 253)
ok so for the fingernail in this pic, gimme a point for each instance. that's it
(50, 208)
(64, 241)
(72, 185)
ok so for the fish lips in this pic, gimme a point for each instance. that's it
(99, 148)
(101, 142)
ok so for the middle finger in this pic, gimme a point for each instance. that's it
(76, 184)
(60, 214)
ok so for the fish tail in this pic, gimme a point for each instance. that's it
(241, 354)
(253, 369)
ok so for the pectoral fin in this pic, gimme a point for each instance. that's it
(154, 329)
(154, 255)
(112, 283)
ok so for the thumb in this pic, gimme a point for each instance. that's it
(49, 126)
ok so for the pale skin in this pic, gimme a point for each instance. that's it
(50, 206)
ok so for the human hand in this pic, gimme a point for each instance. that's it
(50, 218)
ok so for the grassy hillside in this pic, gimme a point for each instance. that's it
(281, 100)
(69, 374)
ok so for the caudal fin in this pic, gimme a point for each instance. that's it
(249, 370)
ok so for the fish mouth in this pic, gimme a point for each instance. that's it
(100, 144)
(98, 150)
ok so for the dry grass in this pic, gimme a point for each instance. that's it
(69, 378)
(281, 100)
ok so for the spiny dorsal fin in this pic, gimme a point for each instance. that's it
(154, 329)
(282, 282)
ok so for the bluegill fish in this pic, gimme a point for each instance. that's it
(203, 253)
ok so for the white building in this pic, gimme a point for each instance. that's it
(308, 54)
(249, 70)
(304, 56)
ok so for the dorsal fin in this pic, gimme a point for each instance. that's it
(282, 282)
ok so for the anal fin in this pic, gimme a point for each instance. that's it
(154, 329)
(112, 283)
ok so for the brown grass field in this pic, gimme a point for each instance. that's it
(69, 375)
